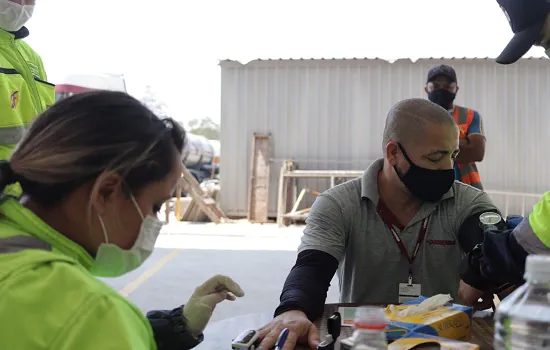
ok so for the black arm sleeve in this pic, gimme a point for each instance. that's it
(307, 284)
(170, 331)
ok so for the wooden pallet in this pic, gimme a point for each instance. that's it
(258, 184)
(206, 203)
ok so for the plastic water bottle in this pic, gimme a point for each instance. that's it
(523, 318)
(370, 329)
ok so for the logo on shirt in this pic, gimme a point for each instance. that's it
(14, 99)
(441, 242)
(34, 69)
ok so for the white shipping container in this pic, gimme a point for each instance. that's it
(329, 114)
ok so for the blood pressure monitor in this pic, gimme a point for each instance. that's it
(490, 220)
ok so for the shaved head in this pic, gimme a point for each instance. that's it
(407, 120)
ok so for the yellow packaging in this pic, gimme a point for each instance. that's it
(426, 342)
(451, 321)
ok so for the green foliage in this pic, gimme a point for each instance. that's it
(198, 126)
(205, 127)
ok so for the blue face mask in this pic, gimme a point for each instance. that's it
(113, 261)
(428, 185)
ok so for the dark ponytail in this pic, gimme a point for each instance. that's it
(7, 176)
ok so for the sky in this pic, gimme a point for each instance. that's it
(175, 45)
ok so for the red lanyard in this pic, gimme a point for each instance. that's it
(389, 220)
(421, 236)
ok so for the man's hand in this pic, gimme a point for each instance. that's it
(302, 331)
(198, 310)
(471, 297)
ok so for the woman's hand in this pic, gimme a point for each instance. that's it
(198, 310)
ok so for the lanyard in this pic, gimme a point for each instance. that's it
(402, 248)
(389, 220)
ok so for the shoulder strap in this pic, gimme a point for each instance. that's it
(469, 116)
(456, 114)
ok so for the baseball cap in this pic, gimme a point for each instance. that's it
(443, 70)
(527, 18)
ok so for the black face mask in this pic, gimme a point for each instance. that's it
(426, 184)
(444, 98)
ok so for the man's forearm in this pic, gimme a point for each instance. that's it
(468, 153)
(306, 286)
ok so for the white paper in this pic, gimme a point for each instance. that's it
(424, 307)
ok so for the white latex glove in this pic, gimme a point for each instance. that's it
(199, 308)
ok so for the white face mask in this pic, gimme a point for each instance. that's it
(14, 16)
(113, 261)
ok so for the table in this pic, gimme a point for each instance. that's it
(218, 335)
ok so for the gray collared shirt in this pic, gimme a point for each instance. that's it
(344, 223)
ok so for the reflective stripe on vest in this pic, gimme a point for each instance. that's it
(14, 244)
(11, 135)
(463, 117)
(470, 175)
(468, 172)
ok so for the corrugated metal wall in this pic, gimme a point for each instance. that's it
(329, 114)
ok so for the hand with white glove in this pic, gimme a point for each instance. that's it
(198, 310)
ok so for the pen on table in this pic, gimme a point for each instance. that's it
(282, 339)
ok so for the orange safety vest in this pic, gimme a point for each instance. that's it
(468, 171)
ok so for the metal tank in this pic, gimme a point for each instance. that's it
(197, 152)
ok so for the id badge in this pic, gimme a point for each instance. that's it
(409, 291)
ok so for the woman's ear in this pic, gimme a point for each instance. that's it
(105, 190)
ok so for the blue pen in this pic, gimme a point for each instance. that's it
(282, 339)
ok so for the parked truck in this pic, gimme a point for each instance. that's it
(200, 155)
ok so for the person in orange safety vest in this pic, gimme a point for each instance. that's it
(441, 87)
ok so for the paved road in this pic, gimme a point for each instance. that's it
(258, 257)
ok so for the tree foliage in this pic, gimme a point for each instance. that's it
(198, 126)
(205, 127)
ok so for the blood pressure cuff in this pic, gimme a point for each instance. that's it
(170, 330)
(498, 261)
(470, 234)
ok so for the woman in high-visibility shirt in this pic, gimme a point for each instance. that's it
(95, 169)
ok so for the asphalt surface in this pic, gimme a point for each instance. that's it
(258, 257)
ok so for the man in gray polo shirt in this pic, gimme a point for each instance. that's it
(399, 231)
